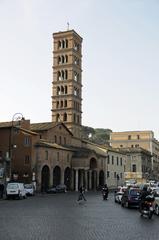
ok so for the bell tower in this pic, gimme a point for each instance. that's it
(67, 80)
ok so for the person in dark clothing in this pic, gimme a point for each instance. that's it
(105, 191)
(1, 190)
(143, 195)
(81, 194)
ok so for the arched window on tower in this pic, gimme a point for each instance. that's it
(63, 43)
(59, 75)
(57, 117)
(57, 104)
(65, 103)
(62, 75)
(63, 59)
(58, 90)
(59, 60)
(61, 104)
(66, 58)
(66, 43)
(59, 44)
(65, 89)
(62, 90)
(65, 117)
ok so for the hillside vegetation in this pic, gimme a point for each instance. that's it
(96, 135)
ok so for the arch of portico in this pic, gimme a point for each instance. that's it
(56, 175)
(45, 178)
(67, 178)
(88, 176)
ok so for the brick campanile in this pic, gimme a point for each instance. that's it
(67, 80)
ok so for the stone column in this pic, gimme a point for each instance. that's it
(97, 181)
(90, 180)
(85, 177)
(62, 176)
(76, 183)
(72, 179)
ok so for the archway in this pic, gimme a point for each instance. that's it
(94, 180)
(56, 176)
(67, 178)
(101, 178)
(45, 178)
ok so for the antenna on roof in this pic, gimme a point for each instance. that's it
(68, 26)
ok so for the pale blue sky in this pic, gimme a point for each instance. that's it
(120, 60)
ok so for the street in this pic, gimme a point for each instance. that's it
(60, 217)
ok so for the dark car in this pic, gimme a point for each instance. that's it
(131, 198)
(61, 188)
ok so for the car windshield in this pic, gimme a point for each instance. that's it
(134, 192)
(28, 186)
(12, 186)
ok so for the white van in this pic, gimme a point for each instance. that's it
(15, 190)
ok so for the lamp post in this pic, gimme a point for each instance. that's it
(16, 119)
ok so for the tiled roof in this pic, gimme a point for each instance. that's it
(42, 126)
(44, 143)
(5, 124)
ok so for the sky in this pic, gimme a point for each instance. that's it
(120, 60)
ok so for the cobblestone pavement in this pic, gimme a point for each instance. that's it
(60, 217)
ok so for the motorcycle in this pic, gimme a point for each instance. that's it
(105, 195)
(147, 207)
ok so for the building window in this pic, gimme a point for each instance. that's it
(112, 160)
(121, 146)
(27, 141)
(27, 160)
(121, 161)
(108, 174)
(114, 174)
(129, 137)
(138, 137)
(60, 140)
(117, 161)
(134, 168)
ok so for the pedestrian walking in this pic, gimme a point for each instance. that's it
(81, 194)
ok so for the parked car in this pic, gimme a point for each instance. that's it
(29, 189)
(118, 196)
(131, 198)
(61, 188)
(51, 190)
(15, 190)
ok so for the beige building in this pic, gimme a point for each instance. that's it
(139, 139)
(116, 162)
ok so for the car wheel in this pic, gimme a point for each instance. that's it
(157, 210)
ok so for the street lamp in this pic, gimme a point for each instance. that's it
(16, 119)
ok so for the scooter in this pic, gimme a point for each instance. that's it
(105, 195)
(147, 207)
